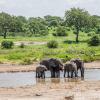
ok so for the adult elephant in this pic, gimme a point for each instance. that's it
(54, 65)
(80, 66)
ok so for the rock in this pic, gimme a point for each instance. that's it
(38, 94)
(69, 97)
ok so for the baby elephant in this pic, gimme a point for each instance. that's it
(40, 71)
(70, 68)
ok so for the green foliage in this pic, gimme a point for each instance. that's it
(98, 31)
(7, 44)
(5, 23)
(26, 61)
(37, 28)
(60, 31)
(94, 40)
(91, 33)
(68, 28)
(52, 44)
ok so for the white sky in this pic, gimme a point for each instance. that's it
(41, 8)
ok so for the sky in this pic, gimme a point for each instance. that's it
(40, 8)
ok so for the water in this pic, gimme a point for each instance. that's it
(28, 78)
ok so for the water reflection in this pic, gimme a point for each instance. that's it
(56, 80)
(28, 78)
(39, 80)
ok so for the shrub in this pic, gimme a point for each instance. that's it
(7, 44)
(22, 45)
(26, 61)
(94, 41)
(60, 32)
(91, 33)
(98, 31)
(67, 28)
(52, 44)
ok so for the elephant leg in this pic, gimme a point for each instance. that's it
(36, 75)
(68, 74)
(76, 74)
(64, 73)
(82, 72)
(72, 74)
(58, 74)
(52, 74)
(44, 74)
(40, 75)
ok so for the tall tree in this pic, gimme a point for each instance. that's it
(79, 18)
(5, 23)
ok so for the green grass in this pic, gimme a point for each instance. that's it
(66, 50)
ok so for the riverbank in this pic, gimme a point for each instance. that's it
(53, 90)
(29, 68)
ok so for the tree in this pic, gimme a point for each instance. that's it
(22, 19)
(53, 20)
(79, 18)
(33, 27)
(5, 23)
(16, 25)
(37, 26)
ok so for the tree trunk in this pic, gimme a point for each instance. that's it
(5, 34)
(77, 35)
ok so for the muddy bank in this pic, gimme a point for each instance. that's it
(80, 90)
(17, 68)
(29, 68)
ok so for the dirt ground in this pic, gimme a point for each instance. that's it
(54, 90)
(80, 90)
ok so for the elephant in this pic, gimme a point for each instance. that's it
(70, 68)
(54, 65)
(80, 66)
(40, 71)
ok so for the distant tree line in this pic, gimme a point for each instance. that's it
(75, 18)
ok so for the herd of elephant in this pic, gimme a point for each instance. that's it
(55, 66)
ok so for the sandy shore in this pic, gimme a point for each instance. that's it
(27, 68)
(53, 90)
(81, 90)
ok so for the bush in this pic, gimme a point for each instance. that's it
(22, 45)
(91, 33)
(94, 41)
(67, 28)
(52, 44)
(60, 32)
(26, 61)
(7, 44)
(98, 31)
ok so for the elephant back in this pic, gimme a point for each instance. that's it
(78, 62)
(45, 63)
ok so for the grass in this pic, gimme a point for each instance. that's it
(66, 50)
